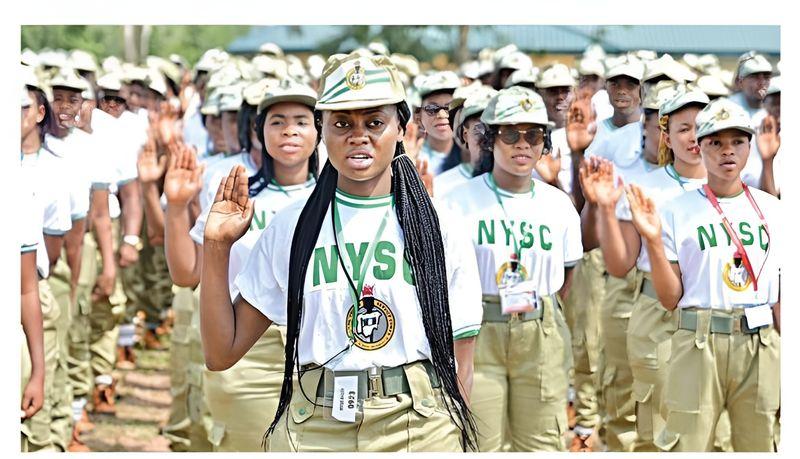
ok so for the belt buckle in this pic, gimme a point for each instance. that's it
(375, 383)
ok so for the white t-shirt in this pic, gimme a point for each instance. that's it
(131, 137)
(220, 169)
(392, 333)
(267, 203)
(449, 179)
(661, 185)
(51, 199)
(29, 227)
(622, 146)
(695, 237)
(75, 172)
(434, 158)
(546, 226)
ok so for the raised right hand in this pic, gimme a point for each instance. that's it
(644, 213)
(580, 123)
(588, 175)
(606, 192)
(768, 138)
(412, 141)
(184, 177)
(232, 210)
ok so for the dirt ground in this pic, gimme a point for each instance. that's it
(143, 404)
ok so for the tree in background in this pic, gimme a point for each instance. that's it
(132, 43)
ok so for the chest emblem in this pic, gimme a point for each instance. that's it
(374, 322)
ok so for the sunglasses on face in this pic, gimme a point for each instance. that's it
(534, 136)
(433, 109)
(113, 99)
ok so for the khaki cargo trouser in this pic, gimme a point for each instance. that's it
(105, 316)
(189, 421)
(79, 359)
(708, 372)
(38, 432)
(617, 380)
(61, 422)
(244, 398)
(415, 421)
(520, 375)
(147, 283)
(582, 313)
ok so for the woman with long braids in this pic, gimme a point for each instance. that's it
(650, 325)
(527, 238)
(715, 257)
(365, 287)
(242, 398)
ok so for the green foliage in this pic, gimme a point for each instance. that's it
(107, 40)
(100, 40)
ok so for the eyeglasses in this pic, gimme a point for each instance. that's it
(114, 99)
(533, 136)
(433, 109)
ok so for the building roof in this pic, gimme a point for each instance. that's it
(568, 39)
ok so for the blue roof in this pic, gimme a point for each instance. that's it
(568, 39)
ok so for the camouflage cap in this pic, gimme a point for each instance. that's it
(774, 85)
(515, 105)
(439, 81)
(530, 76)
(254, 92)
(288, 90)
(110, 82)
(81, 60)
(684, 95)
(722, 114)
(554, 76)
(67, 78)
(461, 94)
(354, 82)
(750, 63)
(629, 67)
(516, 60)
(658, 93)
(588, 66)
(230, 97)
(270, 48)
(211, 103)
(475, 104)
(713, 86)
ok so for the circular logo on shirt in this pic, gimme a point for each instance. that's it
(735, 275)
(511, 272)
(374, 324)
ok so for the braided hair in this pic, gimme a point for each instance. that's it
(424, 251)
(266, 173)
(486, 144)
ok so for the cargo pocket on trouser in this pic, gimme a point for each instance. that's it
(289, 430)
(429, 425)
(642, 395)
(216, 434)
(555, 339)
(769, 379)
(685, 383)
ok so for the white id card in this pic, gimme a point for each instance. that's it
(518, 298)
(758, 316)
(345, 398)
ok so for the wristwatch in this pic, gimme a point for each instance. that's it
(133, 240)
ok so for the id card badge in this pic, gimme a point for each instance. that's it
(518, 298)
(342, 401)
(758, 316)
